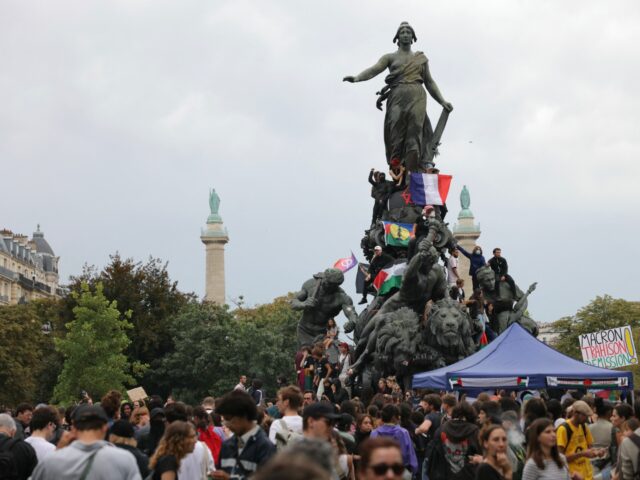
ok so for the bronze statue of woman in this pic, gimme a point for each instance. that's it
(407, 129)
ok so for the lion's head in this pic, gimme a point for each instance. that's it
(448, 323)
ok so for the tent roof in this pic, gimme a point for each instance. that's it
(516, 359)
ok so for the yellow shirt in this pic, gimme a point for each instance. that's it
(581, 440)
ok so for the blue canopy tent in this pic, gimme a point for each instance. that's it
(518, 360)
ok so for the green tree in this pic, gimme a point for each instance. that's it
(214, 346)
(147, 291)
(93, 348)
(601, 314)
(22, 344)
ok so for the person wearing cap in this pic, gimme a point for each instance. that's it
(379, 261)
(249, 448)
(122, 435)
(318, 420)
(575, 441)
(89, 455)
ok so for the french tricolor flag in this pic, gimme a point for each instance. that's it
(429, 188)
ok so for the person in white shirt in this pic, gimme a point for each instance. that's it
(452, 267)
(289, 401)
(197, 464)
(43, 425)
(241, 384)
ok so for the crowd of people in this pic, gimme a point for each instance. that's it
(412, 435)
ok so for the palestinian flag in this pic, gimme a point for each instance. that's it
(398, 234)
(390, 277)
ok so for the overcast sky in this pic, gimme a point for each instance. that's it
(116, 118)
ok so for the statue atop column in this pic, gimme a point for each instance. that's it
(408, 135)
(214, 206)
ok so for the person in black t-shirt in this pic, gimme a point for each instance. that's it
(179, 440)
(500, 267)
(379, 261)
(495, 464)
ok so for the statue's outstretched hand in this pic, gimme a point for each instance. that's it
(447, 106)
(349, 78)
(532, 287)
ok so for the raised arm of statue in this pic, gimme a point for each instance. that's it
(523, 302)
(349, 312)
(370, 72)
(434, 91)
(299, 302)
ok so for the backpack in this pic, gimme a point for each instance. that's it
(569, 432)
(285, 436)
(8, 466)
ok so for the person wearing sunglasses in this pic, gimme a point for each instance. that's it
(381, 458)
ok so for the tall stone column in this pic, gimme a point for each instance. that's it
(215, 237)
(466, 233)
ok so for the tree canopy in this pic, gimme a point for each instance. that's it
(214, 346)
(93, 348)
(152, 298)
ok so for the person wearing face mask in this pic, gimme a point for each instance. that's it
(476, 260)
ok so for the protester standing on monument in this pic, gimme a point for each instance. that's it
(380, 190)
(476, 260)
(452, 267)
(379, 261)
(500, 267)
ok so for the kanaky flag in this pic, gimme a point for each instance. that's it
(346, 264)
(429, 188)
(398, 234)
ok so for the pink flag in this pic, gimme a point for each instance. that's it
(346, 264)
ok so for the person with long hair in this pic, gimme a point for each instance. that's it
(544, 461)
(178, 441)
(364, 427)
(495, 463)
